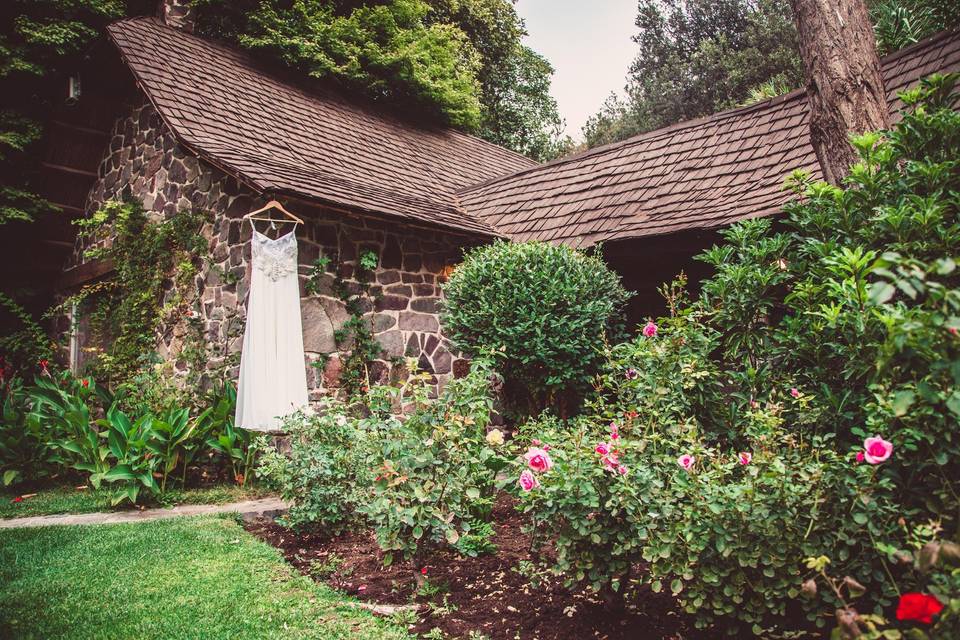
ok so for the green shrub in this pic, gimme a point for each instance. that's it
(51, 425)
(541, 311)
(24, 456)
(327, 473)
(436, 469)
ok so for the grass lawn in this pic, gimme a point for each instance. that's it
(200, 577)
(70, 500)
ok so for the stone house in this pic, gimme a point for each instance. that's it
(205, 127)
(196, 124)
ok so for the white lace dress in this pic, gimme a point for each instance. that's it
(273, 379)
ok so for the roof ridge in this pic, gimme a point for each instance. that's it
(653, 134)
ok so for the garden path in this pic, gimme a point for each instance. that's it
(263, 506)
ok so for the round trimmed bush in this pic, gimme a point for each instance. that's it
(541, 311)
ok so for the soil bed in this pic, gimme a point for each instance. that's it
(485, 594)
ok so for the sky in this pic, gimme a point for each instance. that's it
(588, 43)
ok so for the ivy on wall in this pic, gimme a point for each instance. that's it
(354, 339)
(155, 263)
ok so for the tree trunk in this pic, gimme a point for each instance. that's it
(845, 89)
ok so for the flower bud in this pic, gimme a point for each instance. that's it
(854, 587)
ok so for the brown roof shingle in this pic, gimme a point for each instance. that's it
(277, 137)
(702, 174)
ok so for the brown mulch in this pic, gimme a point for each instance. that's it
(484, 594)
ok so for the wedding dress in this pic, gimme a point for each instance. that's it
(273, 379)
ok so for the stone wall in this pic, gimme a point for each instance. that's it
(145, 162)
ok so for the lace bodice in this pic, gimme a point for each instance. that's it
(276, 258)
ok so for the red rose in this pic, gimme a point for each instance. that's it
(423, 571)
(918, 606)
(85, 382)
(18, 499)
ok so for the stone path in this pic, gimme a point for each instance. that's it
(247, 508)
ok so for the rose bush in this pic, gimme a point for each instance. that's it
(804, 406)
(326, 474)
(721, 527)
(435, 468)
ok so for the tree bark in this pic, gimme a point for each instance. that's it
(845, 89)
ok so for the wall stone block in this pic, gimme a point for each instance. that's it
(423, 322)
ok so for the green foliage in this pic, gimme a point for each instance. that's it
(805, 342)
(477, 541)
(436, 468)
(326, 474)
(23, 454)
(900, 23)
(706, 534)
(540, 311)
(931, 559)
(40, 43)
(234, 444)
(61, 411)
(51, 426)
(131, 442)
(388, 50)
(354, 337)
(517, 110)
(129, 308)
(25, 346)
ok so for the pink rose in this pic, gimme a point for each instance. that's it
(952, 330)
(650, 330)
(860, 456)
(794, 392)
(614, 431)
(686, 461)
(622, 470)
(754, 404)
(603, 448)
(877, 450)
(528, 481)
(538, 459)
(745, 457)
(611, 461)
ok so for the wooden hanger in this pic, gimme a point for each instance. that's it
(273, 204)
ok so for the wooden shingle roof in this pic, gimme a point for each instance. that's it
(701, 174)
(280, 138)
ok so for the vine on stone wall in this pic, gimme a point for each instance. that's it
(354, 339)
(154, 267)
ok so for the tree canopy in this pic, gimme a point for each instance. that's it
(697, 57)
(40, 39)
